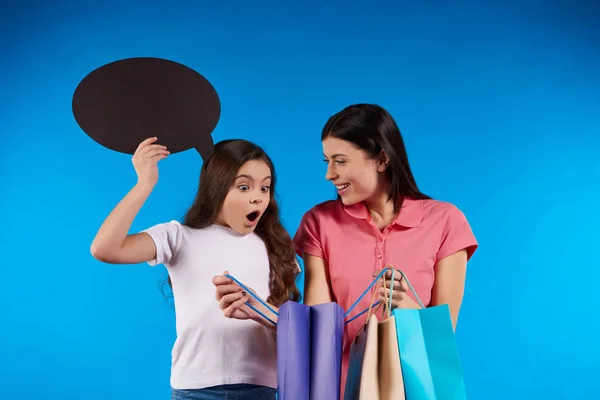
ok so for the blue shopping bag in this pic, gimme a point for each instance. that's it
(429, 357)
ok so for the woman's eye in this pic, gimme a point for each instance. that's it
(340, 162)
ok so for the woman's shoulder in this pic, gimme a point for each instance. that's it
(441, 210)
(452, 224)
(323, 210)
(434, 205)
(325, 207)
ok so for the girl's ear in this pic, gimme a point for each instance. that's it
(384, 161)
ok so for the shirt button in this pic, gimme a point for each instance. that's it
(379, 256)
(380, 240)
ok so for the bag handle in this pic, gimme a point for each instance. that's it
(251, 293)
(371, 311)
(368, 309)
(411, 288)
(361, 297)
(388, 306)
(264, 303)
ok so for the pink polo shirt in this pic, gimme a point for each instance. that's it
(424, 232)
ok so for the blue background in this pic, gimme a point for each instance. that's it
(500, 108)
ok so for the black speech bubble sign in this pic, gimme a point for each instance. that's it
(124, 102)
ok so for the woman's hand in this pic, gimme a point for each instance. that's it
(145, 161)
(399, 294)
(232, 298)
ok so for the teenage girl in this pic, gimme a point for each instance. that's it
(232, 225)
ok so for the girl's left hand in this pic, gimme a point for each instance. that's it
(399, 296)
(232, 298)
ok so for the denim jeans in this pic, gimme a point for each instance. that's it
(226, 392)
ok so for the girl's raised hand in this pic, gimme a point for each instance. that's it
(145, 161)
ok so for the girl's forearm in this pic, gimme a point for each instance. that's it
(261, 320)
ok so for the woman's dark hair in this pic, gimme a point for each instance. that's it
(372, 129)
(216, 179)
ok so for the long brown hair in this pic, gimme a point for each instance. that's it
(216, 179)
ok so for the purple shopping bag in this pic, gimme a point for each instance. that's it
(293, 351)
(309, 351)
(309, 347)
(326, 340)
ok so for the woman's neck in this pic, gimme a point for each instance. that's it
(381, 210)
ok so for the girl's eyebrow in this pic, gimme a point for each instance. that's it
(250, 178)
(336, 155)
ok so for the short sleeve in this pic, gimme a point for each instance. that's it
(167, 238)
(307, 238)
(456, 235)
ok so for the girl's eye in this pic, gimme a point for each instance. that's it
(266, 188)
(243, 187)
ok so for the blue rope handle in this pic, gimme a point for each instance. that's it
(264, 303)
(389, 307)
(361, 297)
(389, 300)
(411, 288)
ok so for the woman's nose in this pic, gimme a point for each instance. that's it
(330, 174)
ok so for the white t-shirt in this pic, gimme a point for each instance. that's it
(210, 348)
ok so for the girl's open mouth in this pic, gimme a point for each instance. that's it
(252, 216)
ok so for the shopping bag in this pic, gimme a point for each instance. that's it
(374, 371)
(309, 351)
(428, 353)
(326, 340)
(309, 347)
(391, 381)
(362, 380)
(293, 350)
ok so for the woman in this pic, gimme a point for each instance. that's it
(380, 219)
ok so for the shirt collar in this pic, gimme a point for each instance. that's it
(410, 215)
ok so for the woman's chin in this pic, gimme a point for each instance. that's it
(349, 200)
